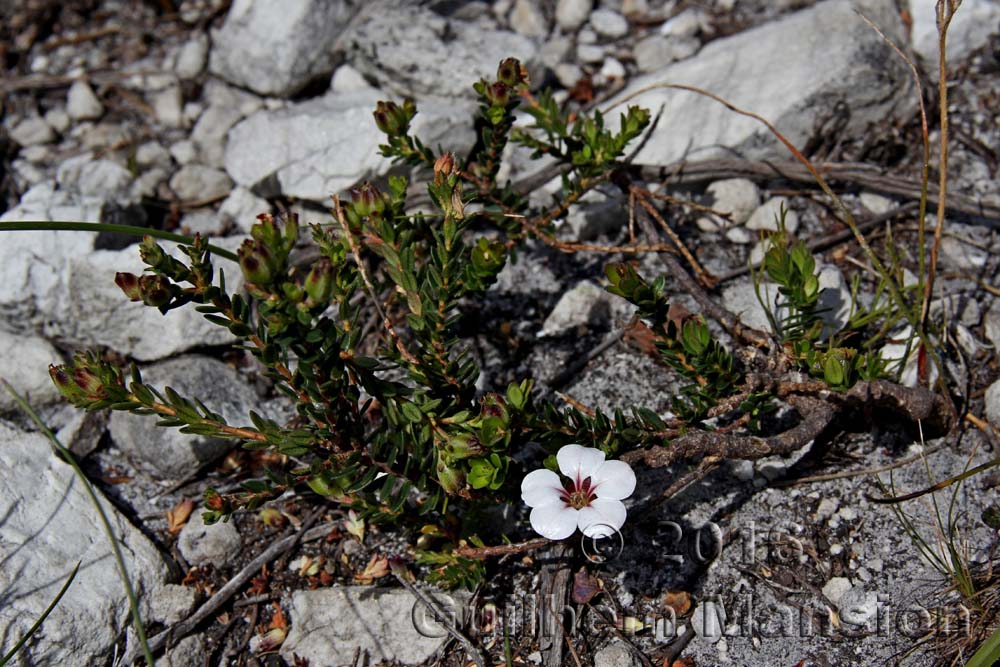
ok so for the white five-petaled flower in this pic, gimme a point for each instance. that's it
(591, 500)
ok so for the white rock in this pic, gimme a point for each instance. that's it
(615, 654)
(152, 153)
(826, 508)
(991, 325)
(196, 182)
(24, 363)
(201, 544)
(568, 74)
(346, 79)
(203, 221)
(653, 53)
(528, 19)
(402, 51)
(685, 24)
(969, 30)
(192, 57)
(184, 151)
(168, 105)
(57, 119)
(209, 133)
(609, 23)
(992, 404)
(101, 180)
(739, 235)
(335, 623)
(82, 103)
(166, 452)
(836, 588)
(739, 197)
(242, 207)
(32, 131)
(858, 607)
(766, 216)
(782, 85)
(554, 51)
(49, 525)
(581, 306)
(877, 204)
(613, 69)
(36, 154)
(571, 14)
(173, 603)
(319, 147)
(589, 53)
(893, 354)
(278, 48)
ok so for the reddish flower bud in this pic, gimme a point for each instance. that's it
(65, 384)
(444, 165)
(319, 282)
(257, 262)
(155, 290)
(498, 94)
(367, 199)
(510, 72)
(129, 283)
(391, 119)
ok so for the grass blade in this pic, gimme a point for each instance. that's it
(133, 601)
(41, 619)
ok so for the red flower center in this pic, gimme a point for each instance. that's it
(578, 495)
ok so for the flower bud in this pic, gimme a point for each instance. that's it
(129, 283)
(498, 94)
(493, 405)
(65, 384)
(367, 199)
(463, 446)
(257, 262)
(510, 72)
(452, 480)
(150, 252)
(319, 282)
(389, 118)
(154, 290)
(89, 383)
(444, 165)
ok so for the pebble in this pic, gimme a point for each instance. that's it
(836, 588)
(992, 404)
(766, 216)
(82, 103)
(196, 182)
(739, 235)
(613, 69)
(201, 544)
(192, 57)
(826, 508)
(685, 24)
(527, 19)
(609, 23)
(653, 53)
(346, 79)
(876, 204)
(32, 131)
(150, 153)
(615, 654)
(168, 105)
(571, 14)
(568, 74)
(589, 53)
(58, 119)
(183, 151)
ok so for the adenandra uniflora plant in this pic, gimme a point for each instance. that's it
(363, 339)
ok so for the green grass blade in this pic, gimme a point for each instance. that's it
(62, 226)
(133, 601)
(988, 654)
(41, 619)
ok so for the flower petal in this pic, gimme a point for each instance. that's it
(602, 518)
(613, 480)
(556, 522)
(578, 462)
(540, 488)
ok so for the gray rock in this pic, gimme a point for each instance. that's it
(571, 14)
(709, 621)
(836, 588)
(82, 431)
(82, 103)
(209, 133)
(877, 204)
(24, 363)
(32, 131)
(554, 51)
(686, 24)
(893, 354)
(856, 66)
(203, 221)
(528, 19)
(319, 147)
(172, 603)
(608, 23)
(49, 525)
(101, 180)
(766, 216)
(962, 256)
(402, 51)
(568, 74)
(330, 624)
(168, 105)
(739, 197)
(278, 48)
(191, 57)
(196, 182)
(615, 654)
(653, 53)
(969, 30)
(242, 207)
(152, 153)
(740, 235)
(348, 80)
(991, 325)
(589, 53)
(858, 607)
(184, 151)
(57, 119)
(166, 452)
(580, 307)
(188, 652)
(597, 213)
(201, 544)
(992, 404)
